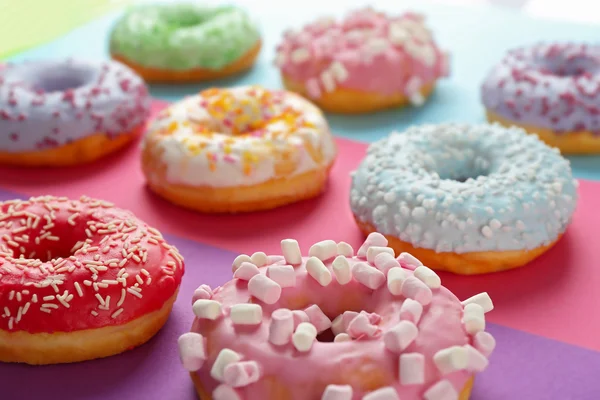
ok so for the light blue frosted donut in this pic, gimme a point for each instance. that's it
(462, 188)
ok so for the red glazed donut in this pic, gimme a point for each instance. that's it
(80, 280)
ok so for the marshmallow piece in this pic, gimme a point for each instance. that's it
(337, 325)
(304, 336)
(259, 259)
(299, 317)
(284, 275)
(451, 359)
(323, 250)
(344, 249)
(274, 259)
(264, 289)
(347, 317)
(428, 277)
(192, 351)
(246, 314)
(374, 251)
(385, 261)
(473, 318)
(369, 276)
(342, 337)
(282, 327)
(442, 390)
(291, 251)
(203, 292)
(246, 271)
(385, 393)
(395, 278)
(412, 369)
(207, 309)
(318, 318)
(243, 373)
(337, 392)
(224, 392)
(225, 357)
(239, 260)
(483, 299)
(318, 271)
(411, 310)
(341, 270)
(374, 239)
(361, 326)
(416, 290)
(484, 342)
(409, 261)
(476, 362)
(399, 337)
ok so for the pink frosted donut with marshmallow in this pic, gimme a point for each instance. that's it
(392, 56)
(377, 330)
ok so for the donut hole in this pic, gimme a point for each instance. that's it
(565, 66)
(56, 80)
(465, 169)
(45, 252)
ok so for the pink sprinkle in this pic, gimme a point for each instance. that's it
(14, 137)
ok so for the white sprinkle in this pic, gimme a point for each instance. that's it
(116, 313)
(487, 232)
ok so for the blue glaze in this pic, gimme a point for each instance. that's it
(465, 188)
(50, 103)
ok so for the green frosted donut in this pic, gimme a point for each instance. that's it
(183, 36)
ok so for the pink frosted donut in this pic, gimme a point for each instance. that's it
(365, 62)
(335, 326)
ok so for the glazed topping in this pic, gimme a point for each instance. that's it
(241, 136)
(461, 188)
(552, 86)
(184, 36)
(367, 51)
(69, 265)
(329, 333)
(47, 104)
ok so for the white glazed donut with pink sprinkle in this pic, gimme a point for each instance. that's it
(344, 327)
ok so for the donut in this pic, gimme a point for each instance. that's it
(551, 90)
(185, 42)
(335, 326)
(469, 199)
(239, 149)
(80, 279)
(68, 112)
(369, 61)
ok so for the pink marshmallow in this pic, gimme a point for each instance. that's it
(337, 392)
(347, 317)
(385, 261)
(361, 327)
(284, 275)
(224, 392)
(415, 289)
(192, 351)
(299, 317)
(408, 261)
(282, 327)
(484, 342)
(385, 393)
(411, 310)
(374, 239)
(204, 292)
(318, 318)
(398, 338)
(476, 362)
(241, 373)
(264, 289)
(246, 271)
(442, 390)
(412, 369)
(368, 276)
(374, 318)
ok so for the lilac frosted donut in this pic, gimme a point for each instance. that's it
(66, 112)
(552, 90)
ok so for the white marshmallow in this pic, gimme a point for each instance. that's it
(399, 337)
(451, 359)
(341, 270)
(427, 276)
(337, 392)
(224, 392)
(192, 351)
(483, 299)
(337, 325)
(385, 393)
(369, 276)
(344, 249)
(342, 337)
(282, 327)
(203, 292)
(395, 278)
(239, 260)
(411, 310)
(407, 260)
(361, 326)
(442, 390)
(264, 288)
(241, 373)
(318, 318)
(299, 317)
(284, 275)
(318, 271)
(476, 362)
(412, 369)
(374, 239)
(414, 289)
(246, 271)
(259, 259)
(473, 318)
(374, 251)
(304, 336)
(385, 261)
(323, 250)
(246, 314)
(207, 309)
(225, 357)
(291, 251)
(485, 343)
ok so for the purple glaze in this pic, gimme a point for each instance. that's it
(50, 103)
(552, 86)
